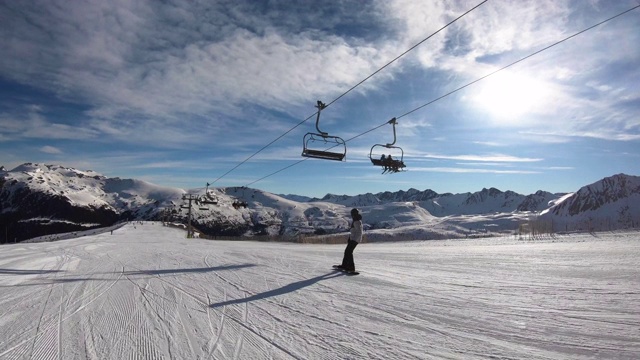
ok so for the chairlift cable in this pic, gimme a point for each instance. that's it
(404, 53)
(516, 62)
(305, 159)
(462, 87)
(264, 147)
(349, 90)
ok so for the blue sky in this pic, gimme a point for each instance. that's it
(179, 93)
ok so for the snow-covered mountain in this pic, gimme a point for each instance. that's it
(38, 199)
(609, 204)
(486, 201)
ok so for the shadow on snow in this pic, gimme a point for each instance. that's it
(89, 277)
(280, 291)
(184, 271)
(27, 272)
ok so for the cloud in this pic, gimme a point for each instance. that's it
(51, 150)
(580, 76)
(153, 59)
(482, 37)
(488, 143)
(184, 73)
(597, 131)
(170, 69)
(561, 168)
(471, 170)
(31, 123)
(482, 158)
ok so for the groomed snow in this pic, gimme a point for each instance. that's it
(147, 292)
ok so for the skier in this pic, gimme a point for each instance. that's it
(356, 236)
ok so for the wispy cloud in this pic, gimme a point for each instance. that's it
(180, 58)
(503, 31)
(51, 150)
(488, 143)
(561, 168)
(472, 170)
(483, 158)
(147, 60)
(595, 133)
(31, 123)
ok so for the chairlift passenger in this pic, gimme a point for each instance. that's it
(387, 162)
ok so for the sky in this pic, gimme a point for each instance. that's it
(185, 93)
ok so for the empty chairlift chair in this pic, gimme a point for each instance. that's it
(388, 156)
(321, 145)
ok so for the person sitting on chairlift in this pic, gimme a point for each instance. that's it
(389, 164)
(395, 166)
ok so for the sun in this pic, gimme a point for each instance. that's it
(508, 97)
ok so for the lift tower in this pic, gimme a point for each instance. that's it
(190, 198)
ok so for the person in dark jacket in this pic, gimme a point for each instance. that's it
(354, 239)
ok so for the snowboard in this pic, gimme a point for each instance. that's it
(338, 268)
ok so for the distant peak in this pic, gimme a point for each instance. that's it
(31, 167)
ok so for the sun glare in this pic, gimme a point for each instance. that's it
(508, 96)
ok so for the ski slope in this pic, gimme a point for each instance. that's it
(146, 292)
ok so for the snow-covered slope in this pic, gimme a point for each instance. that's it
(609, 204)
(147, 292)
(276, 215)
(539, 201)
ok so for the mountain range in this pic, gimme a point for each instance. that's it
(40, 199)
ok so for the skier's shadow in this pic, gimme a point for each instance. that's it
(27, 272)
(280, 291)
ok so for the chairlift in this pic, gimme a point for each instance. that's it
(208, 198)
(208, 202)
(334, 147)
(200, 206)
(202, 202)
(392, 161)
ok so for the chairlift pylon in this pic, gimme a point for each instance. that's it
(337, 149)
(386, 161)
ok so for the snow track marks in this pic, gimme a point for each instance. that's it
(147, 292)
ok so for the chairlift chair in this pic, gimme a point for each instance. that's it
(206, 201)
(202, 203)
(336, 150)
(390, 164)
(208, 198)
